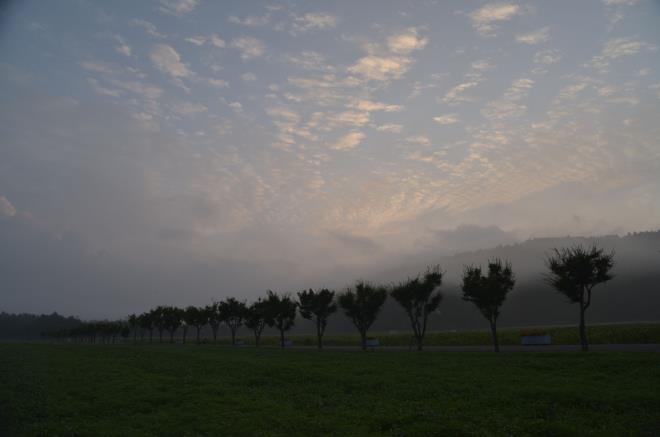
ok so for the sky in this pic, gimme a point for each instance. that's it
(179, 151)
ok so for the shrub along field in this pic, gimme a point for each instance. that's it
(598, 334)
(196, 390)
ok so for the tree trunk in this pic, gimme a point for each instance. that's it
(419, 343)
(171, 336)
(363, 336)
(215, 335)
(233, 337)
(257, 337)
(493, 330)
(319, 334)
(185, 333)
(282, 337)
(583, 329)
(198, 328)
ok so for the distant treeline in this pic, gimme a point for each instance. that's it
(32, 327)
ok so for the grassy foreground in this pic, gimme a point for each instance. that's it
(123, 390)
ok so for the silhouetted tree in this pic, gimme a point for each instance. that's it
(281, 313)
(157, 315)
(214, 319)
(255, 319)
(362, 305)
(196, 317)
(574, 272)
(232, 312)
(317, 306)
(419, 298)
(146, 323)
(488, 293)
(133, 323)
(172, 318)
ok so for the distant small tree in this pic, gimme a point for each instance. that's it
(419, 297)
(158, 317)
(317, 306)
(214, 319)
(232, 312)
(196, 317)
(256, 318)
(574, 272)
(133, 324)
(281, 313)
(362, 305)
(172, 318)
(146, 323)
(488, 293)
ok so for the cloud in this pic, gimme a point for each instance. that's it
(617, 47)
(189, 108)
(218, 83)
(251, 21)
(348, 141)
(547, 57)
(446, 119)
(147, 91)
(122, 47)
(309, 60)
(421, 140)
(312, 21)
(200, 40)
(351, 118)
(484, 17)
(380, 68)
(103, 91)
(197, 40)
(236, 106)
(456, 94)
(249, 47)
(249, 77)
(620, 2)
(148, 27)
(406, 42)
(391, 127)
(539, 36)
(6, 207)
(167, 60)
(369, 106)
(177, 7)
(217, 41)
(509, 106)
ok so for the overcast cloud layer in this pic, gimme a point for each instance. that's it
(177, 151)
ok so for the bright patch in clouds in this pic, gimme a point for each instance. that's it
(167, 60)
(406, 42)
(536, 37)
(485, 18)
(349, 141)
(249, 47)
(446, 119)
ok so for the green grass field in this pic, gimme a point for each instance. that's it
(196, 390)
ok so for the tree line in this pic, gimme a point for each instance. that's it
(572, 271)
